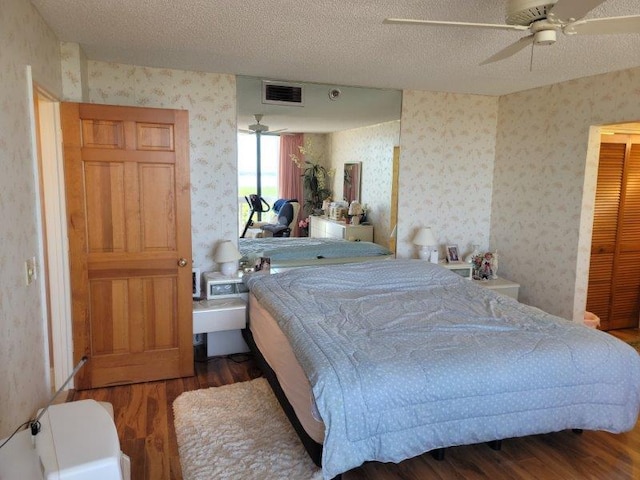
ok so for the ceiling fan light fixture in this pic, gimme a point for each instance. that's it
(545, 37)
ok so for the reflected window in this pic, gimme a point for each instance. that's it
(248, 180)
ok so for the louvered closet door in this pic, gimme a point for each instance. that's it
(626, 279)
(605, 229)
(614, 276)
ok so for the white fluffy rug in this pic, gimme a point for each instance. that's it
(238, 431)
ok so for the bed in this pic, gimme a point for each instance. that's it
(294, 252)
(387, 360)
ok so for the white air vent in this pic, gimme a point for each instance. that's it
(281, 93)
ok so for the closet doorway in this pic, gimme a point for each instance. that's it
(614, 274)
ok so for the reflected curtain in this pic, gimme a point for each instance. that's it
(289, 174)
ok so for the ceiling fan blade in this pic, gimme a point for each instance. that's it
(604, 26)
(510, 50)
(495, 26)
(571, 10)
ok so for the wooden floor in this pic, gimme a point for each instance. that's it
(627, 334)
(144, 420)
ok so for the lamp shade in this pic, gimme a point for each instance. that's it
(424, 237)
(226, 252)
(355, 208)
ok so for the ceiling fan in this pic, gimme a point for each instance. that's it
(259, 128)
(543, 18)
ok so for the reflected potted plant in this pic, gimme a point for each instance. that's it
(315, 178)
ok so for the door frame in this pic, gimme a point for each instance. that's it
(53, 254)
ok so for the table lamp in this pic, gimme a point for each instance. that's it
(355, 210)
(227, 255)
(426, 241)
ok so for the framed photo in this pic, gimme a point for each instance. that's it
(453, 255)
(263, 264)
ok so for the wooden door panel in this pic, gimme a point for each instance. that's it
(109, 302)
(154, 136)
(160, 312)
(158, 215)
(127, 175)
(105, 207)
(102, 134)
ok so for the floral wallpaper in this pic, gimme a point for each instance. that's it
(373, 146)
(75, 87)
(26, 40)
(447, 156)
(211, 101)
(544, 184)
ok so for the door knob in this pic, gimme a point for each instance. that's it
(182, 262)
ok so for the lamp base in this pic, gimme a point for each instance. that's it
(424, 253)
(428, 253)
(229, 268)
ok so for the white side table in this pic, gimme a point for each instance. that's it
(501, 285)
(221, 319)
(461, 268)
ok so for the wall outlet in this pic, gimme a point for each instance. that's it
(30, 270)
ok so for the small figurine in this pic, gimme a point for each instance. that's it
(485, 266)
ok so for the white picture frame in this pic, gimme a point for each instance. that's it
(453, 254)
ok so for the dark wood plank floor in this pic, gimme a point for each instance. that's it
(144, 420)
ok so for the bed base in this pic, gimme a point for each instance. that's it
(313, 448)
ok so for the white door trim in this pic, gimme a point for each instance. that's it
(49, 173)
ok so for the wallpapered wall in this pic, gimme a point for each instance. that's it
(75, 85)
(446, 169)
(541, 219)
(211, 101)
(373, 146)
(25, 40)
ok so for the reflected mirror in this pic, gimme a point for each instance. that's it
(351, 182)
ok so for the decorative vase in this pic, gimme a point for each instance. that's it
(474, 253)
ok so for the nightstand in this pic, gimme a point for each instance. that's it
(463, 269)
(222, 315)
(501, 285)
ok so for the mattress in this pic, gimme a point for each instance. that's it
(303, 251)
(277, 352)
(405, 357)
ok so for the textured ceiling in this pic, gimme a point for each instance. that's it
(336, 41)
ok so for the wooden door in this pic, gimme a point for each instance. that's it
(614, 273)
(128, 207)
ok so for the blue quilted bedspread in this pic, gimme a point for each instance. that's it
(305, 248)
(405, 357)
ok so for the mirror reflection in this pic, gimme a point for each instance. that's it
(351, 182)
(307, 125)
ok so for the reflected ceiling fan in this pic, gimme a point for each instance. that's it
(261, 129)
(543, 18)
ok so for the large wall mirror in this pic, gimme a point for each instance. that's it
(343, 125)
(352, 174)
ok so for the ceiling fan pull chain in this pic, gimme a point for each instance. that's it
(533, 45)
